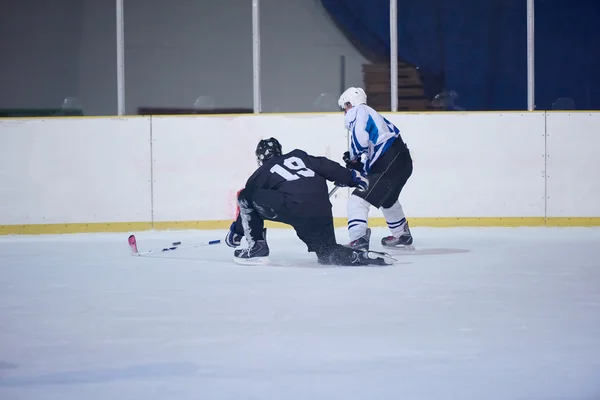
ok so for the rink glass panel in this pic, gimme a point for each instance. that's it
(188, 56)
(307, 60)
(58, 58)
(567, 57)
(470, 55)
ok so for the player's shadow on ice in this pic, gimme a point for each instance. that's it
(145, 371)
(276, 263)
(305, 263)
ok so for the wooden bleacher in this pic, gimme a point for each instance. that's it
(411, 91)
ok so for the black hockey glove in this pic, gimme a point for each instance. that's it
(233, 239)
(355, 165)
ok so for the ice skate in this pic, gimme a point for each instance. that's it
(255, 255)
(403, 242)
(362, 243)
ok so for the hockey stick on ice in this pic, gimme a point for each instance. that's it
(132, 241)
(176, 246)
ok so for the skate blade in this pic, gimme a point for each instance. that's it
(252, 261)
(384, 257)
(401, 247)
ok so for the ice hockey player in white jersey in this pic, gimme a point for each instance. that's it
(388, 165)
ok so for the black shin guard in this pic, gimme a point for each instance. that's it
(252, 222)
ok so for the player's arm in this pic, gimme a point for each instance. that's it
(334, 172)
(359, 137)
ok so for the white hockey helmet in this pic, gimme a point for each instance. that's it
(354, 96)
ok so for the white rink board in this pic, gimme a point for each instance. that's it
(201, 162)
(466, 165)
(74, 170)
(474, 165)
(573, 164)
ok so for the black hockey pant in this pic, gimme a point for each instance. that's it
(316, 232)
(388, 176)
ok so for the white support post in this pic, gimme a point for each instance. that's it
(120, 60)
(256, 55)
(530, 56)
(394, 54)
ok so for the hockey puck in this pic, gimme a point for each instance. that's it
(176, 243)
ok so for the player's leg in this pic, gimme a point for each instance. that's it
(253, 226)
(398, 225)
(358, 209)
(358, 217)
(319, 236)
(399, 173)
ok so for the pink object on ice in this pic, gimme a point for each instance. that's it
(133, 244)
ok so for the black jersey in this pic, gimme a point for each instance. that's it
(303, 179)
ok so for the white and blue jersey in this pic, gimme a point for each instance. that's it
(371, 134)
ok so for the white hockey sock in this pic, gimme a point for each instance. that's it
(358, 215)
(396, 221)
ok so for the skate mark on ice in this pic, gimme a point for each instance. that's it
(77, 377)
(7, 365)
(426, 252)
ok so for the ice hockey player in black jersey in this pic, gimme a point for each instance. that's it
(292, 189)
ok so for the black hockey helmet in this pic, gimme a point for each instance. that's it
(266, 149)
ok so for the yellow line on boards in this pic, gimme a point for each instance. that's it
(445, 222)
(46, 229)
(573, 221)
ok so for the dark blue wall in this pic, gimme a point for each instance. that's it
(479, 48)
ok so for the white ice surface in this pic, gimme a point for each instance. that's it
(517, 316)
